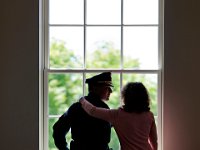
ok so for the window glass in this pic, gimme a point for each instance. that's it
(66, 11)
(140, 12)
(103, 47)
(141, 46)
(64, 89)
(103, 11)
(66, 47)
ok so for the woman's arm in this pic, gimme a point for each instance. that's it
(153, 136)
(101, 113)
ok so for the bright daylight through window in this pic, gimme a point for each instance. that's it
(83, 38)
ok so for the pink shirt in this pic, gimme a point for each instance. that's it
(136, 131)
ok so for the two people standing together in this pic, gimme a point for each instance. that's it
(90, 119)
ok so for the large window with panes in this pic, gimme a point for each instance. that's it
(82, 38)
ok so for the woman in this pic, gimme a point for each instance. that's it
(134, 123)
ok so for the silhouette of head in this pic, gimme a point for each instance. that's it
(101, 85)
(135, 97)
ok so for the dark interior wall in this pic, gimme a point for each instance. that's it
(182, 75)
(19, 75)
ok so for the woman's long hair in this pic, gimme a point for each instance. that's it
(135, 97)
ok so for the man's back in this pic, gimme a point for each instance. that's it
(88, 133)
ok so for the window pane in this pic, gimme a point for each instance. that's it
(114, 141)
(66, 47)
(66, 11)
(51, 140)
(140, 11)
(141, 47)
(149, 81)
(103, 47)
(103, 12)
(64, 90)
(114, 101)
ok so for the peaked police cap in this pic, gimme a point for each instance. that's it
(103, 79)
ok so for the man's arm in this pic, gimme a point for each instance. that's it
(60, 129)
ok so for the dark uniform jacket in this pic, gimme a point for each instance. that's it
(88, 133)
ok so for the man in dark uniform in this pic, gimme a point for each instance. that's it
(87, 133)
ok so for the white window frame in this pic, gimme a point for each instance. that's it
(44, 69)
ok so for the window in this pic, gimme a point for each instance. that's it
(82, 38)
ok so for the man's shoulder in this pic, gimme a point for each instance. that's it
(75, 106)
(97, 102)
(103, 105)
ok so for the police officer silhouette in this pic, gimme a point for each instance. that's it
(87, 133)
